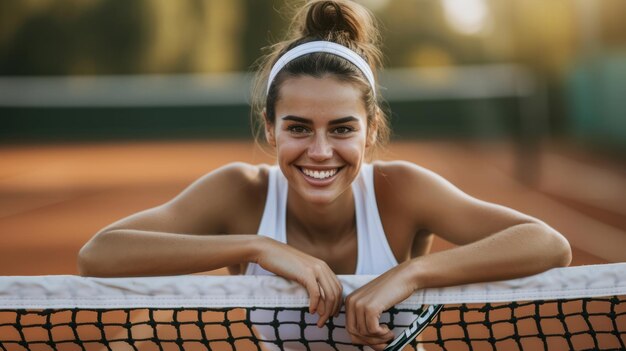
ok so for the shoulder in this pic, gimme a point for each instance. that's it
(405, 178)
(214, 204)
(403, 175)
(412, 189)
(234, 188)
(238, 174)
(237, 177)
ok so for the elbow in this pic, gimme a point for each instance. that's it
(564, 256)
(86, 261)
(91, 260)
(558, 249)
(83, 262)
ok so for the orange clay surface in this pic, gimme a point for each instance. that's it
(53, 198)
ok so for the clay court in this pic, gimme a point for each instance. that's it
(53, 198)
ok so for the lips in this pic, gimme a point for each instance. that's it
(319, 174)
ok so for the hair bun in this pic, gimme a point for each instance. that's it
(343, 22)
(332, 20)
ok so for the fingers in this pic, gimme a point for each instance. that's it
(330, 302)
(334, 289)
(324, 291)
(363, 322)
(325, 308)
(339, 297)
(368, 325)
(321, 283)
(379, 347)
(363, 317)
(377, 343)
(315, 296)
(372, 325)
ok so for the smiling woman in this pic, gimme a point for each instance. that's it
(323, 209)
(320, 136)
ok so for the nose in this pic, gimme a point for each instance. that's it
(320, 148)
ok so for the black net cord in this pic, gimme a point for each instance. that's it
(589, 326)
(615, 301)
(561, 318)
(594, 323)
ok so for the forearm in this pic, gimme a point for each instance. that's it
(517, 251)
(143, 253)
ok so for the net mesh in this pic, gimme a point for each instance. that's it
(577, 324)
(573, 323)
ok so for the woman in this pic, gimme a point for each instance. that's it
(323, 210)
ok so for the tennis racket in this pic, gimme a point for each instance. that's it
(412, 331)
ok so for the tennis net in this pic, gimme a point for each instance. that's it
(575, 308)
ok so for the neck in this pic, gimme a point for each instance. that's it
(320, 223)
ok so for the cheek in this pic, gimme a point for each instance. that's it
(286, 147)
(352, 150)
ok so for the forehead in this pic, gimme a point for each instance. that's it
(325, 97)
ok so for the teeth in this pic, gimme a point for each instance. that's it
(319, 174)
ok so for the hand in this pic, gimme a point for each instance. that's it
(366, 304)
(313, 274)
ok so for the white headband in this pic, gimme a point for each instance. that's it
(323, 46)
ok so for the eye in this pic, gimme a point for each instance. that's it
(342, 130)
(298, 129)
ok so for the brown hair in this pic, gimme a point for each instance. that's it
(343, 22)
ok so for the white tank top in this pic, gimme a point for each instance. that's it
(374, 256)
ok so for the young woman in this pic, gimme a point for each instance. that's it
(322, 210)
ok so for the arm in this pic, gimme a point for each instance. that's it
(495, 243)
(172, 238)
(180, 237)
(516, 251)
(127, 252)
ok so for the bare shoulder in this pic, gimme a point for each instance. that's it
(235, 178)
(413, 190)
(232, 188)
(438, 206)
(394, 181)
(400, 177)
(227, 200)
(417, 185)
(398, 168)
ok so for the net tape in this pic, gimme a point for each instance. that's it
(573, 308)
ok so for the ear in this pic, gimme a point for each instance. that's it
(371, 137)
(372, 130)
(269, 130)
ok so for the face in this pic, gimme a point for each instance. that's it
(320, 136)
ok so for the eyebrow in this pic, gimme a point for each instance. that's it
(308, 121)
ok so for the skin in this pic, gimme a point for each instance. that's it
(321, 124)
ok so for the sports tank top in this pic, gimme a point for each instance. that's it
(374, 256)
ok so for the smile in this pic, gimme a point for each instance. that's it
(321, 175)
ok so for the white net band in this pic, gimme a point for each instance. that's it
(65, 291)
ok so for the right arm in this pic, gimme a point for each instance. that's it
(185, 235)
(127, 252)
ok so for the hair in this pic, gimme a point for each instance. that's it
(343, 22)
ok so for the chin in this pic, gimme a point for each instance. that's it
(320, 198)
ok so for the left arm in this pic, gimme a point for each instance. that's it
(495, 243)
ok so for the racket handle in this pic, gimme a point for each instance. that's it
(412, 331)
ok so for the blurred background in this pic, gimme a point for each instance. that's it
(108, 107)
